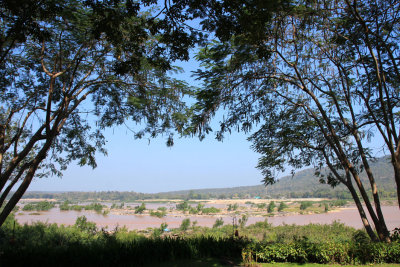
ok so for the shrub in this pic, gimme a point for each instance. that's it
(271, 207)
(158, 213)
(233, 207)
(261, 206)
(218, 222)
(305, 204)
(182, 206)
(185, 224)
(282, 206)
(84, 225)
(39, 206)
(140, 209)
(210, 210)
(243, 220)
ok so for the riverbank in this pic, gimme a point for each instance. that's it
(229, 211)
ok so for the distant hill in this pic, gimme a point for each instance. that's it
(303, 184)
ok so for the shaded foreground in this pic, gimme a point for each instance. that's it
(84, 245)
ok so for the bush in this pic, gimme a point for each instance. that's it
(210, 210)
(271, 207)
(84, 225)
(185, 224)
(140, 209)
(158, 213)
(233, 207)
(182, 206)
(282, 206)
(305, 204)
(39, 206)
(218, 222)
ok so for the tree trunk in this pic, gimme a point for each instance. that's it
(361, 211)
(27, 181)
(396, 167)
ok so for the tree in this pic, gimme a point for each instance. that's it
(69, 69)
(271, 207)
(321, 79)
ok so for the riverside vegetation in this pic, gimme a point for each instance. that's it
(84, 244)
(248, 208)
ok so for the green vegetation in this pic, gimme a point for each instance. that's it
(39, 206)
(282, 206)
(232, 207)
(315, 76)
(185, 224)
(210, 210)
(200, 209)
(140, 209)
(160, 212)
(183, 206)
(116, 206)
(84, 244)
(97, 207)
(305, 204)
(297, 186)
(271, 207)
(218, 222)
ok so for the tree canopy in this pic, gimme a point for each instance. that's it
(319, 81)
(69, 69)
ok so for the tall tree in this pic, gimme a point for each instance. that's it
(322, 80)
(69, 69)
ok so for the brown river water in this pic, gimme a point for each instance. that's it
(349, 216)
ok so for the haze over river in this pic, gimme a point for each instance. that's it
(349, 216)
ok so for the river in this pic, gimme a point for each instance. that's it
(349, 216)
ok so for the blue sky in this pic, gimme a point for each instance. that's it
(150, 167)
(143, 166)
(137, 165)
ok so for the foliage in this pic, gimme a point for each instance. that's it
(338, 203)
(39, 206)
(161, 212)
(326, 207)
(84, 225)
(271, 206)
(185, 224)
(94, 206)
(233, 207)
(243, 220)
(261, 205)
(302, 251)
(183, 206)
(116, 206)
(218, 222)
(282, 206)
(50, 245)
(210, 210)
(70, 69)
(319, 81)
(84, 244)
(301, 185)
(140, 209)
(305, 204)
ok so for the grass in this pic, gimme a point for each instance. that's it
(316, 265)
(212, 262)
(207, 262)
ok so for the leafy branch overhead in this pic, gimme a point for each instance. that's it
(314, 84)
(69, 69)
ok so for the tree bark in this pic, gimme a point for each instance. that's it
(361, 211)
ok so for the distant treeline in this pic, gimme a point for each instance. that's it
(304, 184)
(133, 196)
